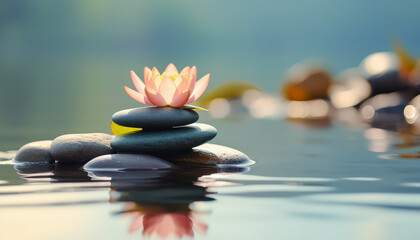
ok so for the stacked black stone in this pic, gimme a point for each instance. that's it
(164, 130)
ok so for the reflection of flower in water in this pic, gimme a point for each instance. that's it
(164, 222)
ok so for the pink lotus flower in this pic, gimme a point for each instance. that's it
(170, 88)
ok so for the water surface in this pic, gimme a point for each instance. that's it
(334, 182)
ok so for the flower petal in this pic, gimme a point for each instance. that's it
(155, 80)
(180, 99)
(154, 97)
(137, 223)
(199, 88)
(147, 74)
(201, 227)
(138, 83)
(137, 96)
(181, 83)
(167, 89)
(186, 70)
(155, 71)
(185, 73)
(192, 78)
(149, 78)
(171, 70)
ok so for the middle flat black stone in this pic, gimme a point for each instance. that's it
(169, 140)
(155, 117)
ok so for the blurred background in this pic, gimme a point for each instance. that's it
(63, 64)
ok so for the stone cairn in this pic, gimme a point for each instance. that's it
(164, 130)
(166, 136)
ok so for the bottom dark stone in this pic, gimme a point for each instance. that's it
(210, 154)
(118, 162)
(206, 154)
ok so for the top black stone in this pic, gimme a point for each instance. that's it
(155, 117)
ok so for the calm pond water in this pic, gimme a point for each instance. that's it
(323, 181)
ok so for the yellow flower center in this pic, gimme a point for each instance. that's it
(173, 76)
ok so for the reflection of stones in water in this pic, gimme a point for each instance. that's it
(314, 113)
(157, 187)
(382, 141)
(385, 111)
(379, 140)
(34, 169)
(409, 137)
(381, 101)
(351, 117)
(52, 172)
(158, 195)
(162, 204)
(411, 115)
(185, 173)
(400, 156)
(312, 123)
(313, 109)
(159, 192)
(408, 155)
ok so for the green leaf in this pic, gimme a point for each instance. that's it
(121, 130)
(192, 107)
